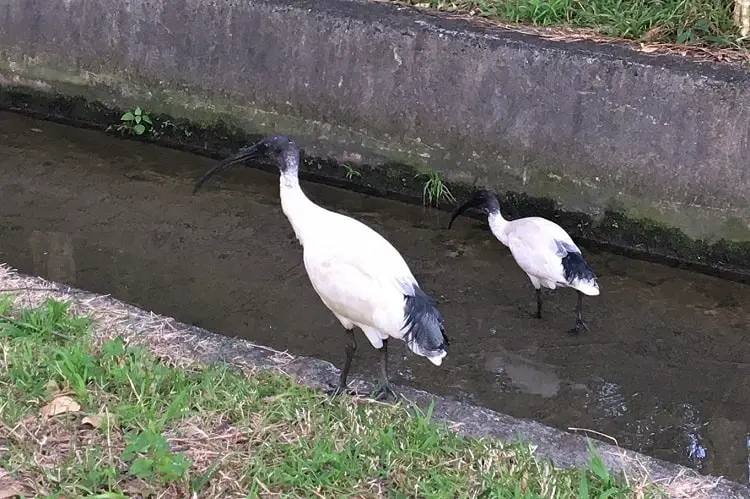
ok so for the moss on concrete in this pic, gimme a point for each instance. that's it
(640, 237)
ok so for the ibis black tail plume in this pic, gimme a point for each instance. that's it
(578, 273)
(424, 324)
(244, 154)
(484, 200)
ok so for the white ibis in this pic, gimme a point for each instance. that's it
(542, 249)
(357, 273)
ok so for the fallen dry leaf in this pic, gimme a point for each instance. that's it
(8, 486)
(648, 49)
(10, 489)
(60, 405)
(95, 420)
(138, 488)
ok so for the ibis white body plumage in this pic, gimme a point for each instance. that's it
(357, 273)
(539, 246)
(543, 250)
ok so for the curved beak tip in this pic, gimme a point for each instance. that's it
(198, 185)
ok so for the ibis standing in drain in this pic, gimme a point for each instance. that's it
(358, 275)
(542, 249)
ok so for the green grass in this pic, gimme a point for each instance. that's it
(130, 424)
(434, 190)
(700, 22)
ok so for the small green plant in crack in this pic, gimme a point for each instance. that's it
(434, 190)
(136, 122)
(351, 172)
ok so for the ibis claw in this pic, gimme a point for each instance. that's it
(579, 327)
(335, 390)
(383, 391)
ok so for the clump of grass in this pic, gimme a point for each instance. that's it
(351, 172)
(704, 22)
(81, 417)
(434, 190)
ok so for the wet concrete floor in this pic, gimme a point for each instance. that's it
(664, 369)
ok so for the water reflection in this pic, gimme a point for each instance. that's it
(609, 399)
(526, 375)
(53, 256)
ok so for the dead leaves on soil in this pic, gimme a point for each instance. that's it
(59, 405)
(9, 487)
(63, 403)
(60, 430)
(94, 421)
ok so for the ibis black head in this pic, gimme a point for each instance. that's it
(483, 200)
(280, 148)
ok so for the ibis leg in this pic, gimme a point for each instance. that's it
(350, 348)
(580, 325)
(538, 303)
(384, 389)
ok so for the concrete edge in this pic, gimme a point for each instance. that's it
(184, 343)
(498, 33)
(615, 232)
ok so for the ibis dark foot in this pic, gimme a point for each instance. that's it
(383, 391)
(580, 325)
(350, 348)
(533, 315)
(538, 303)
(335, 390)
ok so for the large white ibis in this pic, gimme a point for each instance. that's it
(358, 275)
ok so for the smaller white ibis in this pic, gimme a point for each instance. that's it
(542, 249)
(356, 272)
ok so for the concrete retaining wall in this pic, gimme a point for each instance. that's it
(591, 127)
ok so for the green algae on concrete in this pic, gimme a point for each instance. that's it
(614, 230)
(497, 166)
(119, 89)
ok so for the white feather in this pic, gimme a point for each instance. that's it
(532, 243)
(356, 272)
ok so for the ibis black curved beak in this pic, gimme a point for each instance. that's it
(253, 151)
(474, 202)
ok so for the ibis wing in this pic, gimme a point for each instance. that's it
(358, 274)
(536, 255)
(349, 290)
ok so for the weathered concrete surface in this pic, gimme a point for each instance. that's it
(590, 126)
(187, 344)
